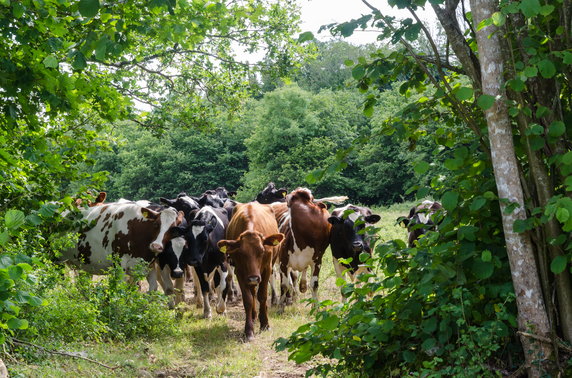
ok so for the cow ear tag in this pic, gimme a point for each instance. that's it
(223, 249)
(283, 194)
(145, 214)
(275, 242)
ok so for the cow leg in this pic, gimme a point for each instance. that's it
(221, 305)
(167, 285)
(179, 290)
(286, 285)
(248, 303)
(263, 298)
(152, 277)
(205, 287)
(273, 292)
(230, 291)
(314, 282)
(339, 268)
(198, 290)
(188, 273)
(303, 281)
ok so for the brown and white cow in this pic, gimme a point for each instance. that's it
(127, 230)
(252, 241)
(304, 222)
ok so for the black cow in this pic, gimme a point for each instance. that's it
(348, 238)
(420, 220)
(202, 235)
(270, 194)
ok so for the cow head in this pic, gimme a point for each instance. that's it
(182, 203)
(164, 221)
(270, 194)
(212, 200)
(249, 252)
(173, 257)
(348, 230)
(197, 237)
(420, 220)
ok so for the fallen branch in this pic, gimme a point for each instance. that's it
(26, 343)
(559, 342)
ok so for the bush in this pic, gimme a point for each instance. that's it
(80, 308)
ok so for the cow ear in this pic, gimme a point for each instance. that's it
(192, 214)
(212, 224)
(335, 220)
(228, 246)
(282, 192)
(412, 212)
(101, 197)
(178, 231)
(180, 218)
(231, 194)
(165, 201)
(273, 240)
(374, 218)
(148, 213)
(403, 221)
(436, 206)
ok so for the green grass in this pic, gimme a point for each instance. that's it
(202, 347)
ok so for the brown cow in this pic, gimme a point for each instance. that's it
(252, 240)
(304, 222)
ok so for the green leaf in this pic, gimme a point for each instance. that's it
(530, 8)
(486, 256)
(101, 48)
(516, 84)
(534, 129)
(567, 158)
(330, 323)
(449, 200)
(50, 61)
(79, 62)
(546, 10)
(409, 356)
(464, 93)
(567, 57)
(568, 183)
(428, 344)
(485, 101)
(4, 236)
(482, 269)
(546, 68)
(358, 72)
(556, 129)
(558, 265)
(421, 167)
(14, 219)
(477, 203)
(88, 8)
(562, 214)
(531, 71)
(498, 18)
(16, 323)
(18, 9)
(306, 36)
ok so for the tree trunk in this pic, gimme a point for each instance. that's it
(532, 315)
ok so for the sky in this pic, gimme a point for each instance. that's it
(321, 12)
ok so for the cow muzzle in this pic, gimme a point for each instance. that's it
(357, 246)
(177, 273)
(156, 248)
(253, 280)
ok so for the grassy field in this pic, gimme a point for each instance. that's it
(202, 347)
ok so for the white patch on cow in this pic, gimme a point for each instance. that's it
(178, 245)
(423, 218)
(168, 218)
(128, 262)
(190, 201)
(221, 305)
(197, 230)
(339, 212)
(209, 210)
(143, 203)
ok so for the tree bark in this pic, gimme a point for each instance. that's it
(532, 315)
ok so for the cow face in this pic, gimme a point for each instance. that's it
(197, 238)
(350, 229)
(173, 257)
(270, 194)
(182, 203)
(250, 252)
(164, 221)
(420, 220)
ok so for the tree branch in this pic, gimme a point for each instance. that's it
(26, 343)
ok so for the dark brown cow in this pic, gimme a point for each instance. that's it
(304, 222)
(252, 243)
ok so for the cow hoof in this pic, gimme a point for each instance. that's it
(221, 310)
(207, 315)
(265, 327)
(303, 286)
(288, 301)
(249, 338)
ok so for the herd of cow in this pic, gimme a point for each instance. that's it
(214, 238)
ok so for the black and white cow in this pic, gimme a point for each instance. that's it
(421, 219)
(348, 238)
(183, 203)
(202, 235)
(270, 194)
